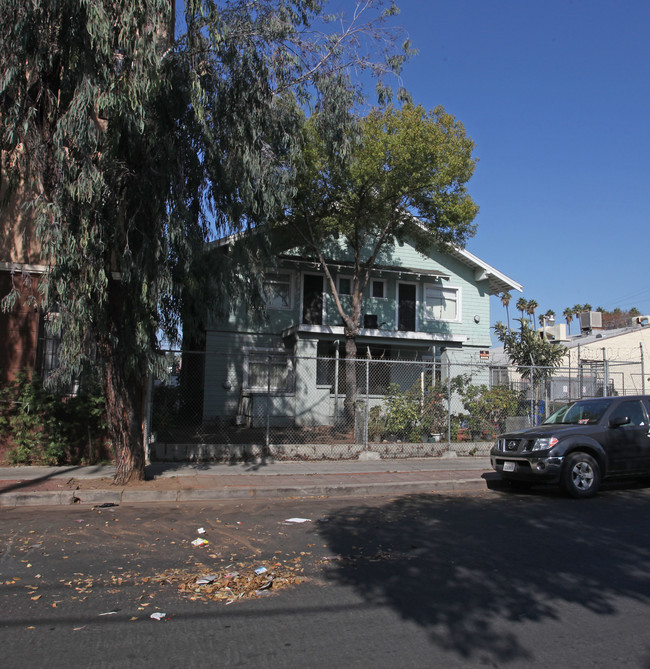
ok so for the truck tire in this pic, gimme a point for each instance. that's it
(580, 475)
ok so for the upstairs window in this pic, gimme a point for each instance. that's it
(441, 303)
(378, 289)
(277, 291)
(345, 285)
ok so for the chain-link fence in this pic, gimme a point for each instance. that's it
(257, 404)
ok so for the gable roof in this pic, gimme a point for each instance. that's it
(498, 282)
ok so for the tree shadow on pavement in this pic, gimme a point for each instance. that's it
(469, 569)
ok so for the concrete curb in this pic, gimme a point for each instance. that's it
(125, 496)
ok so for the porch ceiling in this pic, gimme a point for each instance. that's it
(372, 335)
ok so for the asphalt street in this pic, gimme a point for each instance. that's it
(494, 578)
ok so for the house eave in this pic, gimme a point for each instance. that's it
(377, 269)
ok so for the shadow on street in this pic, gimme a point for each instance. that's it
(460, 567)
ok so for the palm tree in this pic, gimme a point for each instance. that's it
(522, 305)
(543, 318)
(586, 307)
(578, 309)
(568, 314)
(530, 310)
(505, 301)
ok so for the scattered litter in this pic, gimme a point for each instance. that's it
(158, 615)
(297, 520)
(232, 586)
(76, 629)
(109, 613)
(204, 580)
(266, 586)
(199, 542)
(105, 505)
(201, 530)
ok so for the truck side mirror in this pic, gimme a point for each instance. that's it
(617, 421)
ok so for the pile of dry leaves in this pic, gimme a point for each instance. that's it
(234, 581)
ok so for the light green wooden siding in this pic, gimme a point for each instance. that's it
(474, 298)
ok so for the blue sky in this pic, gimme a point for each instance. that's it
(556, 96)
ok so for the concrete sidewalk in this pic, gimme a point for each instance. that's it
(181, 482)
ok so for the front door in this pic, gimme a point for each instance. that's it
(312, 299)
(406, 307)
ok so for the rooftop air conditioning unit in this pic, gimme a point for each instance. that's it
(591, 320)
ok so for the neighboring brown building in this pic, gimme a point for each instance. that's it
(23, 344)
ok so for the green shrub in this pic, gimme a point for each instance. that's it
(42, 428)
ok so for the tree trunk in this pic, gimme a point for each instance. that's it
(124, 418)
(350, 379)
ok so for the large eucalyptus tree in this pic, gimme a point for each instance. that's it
(137, 147)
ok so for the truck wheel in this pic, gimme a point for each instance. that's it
(580, 475)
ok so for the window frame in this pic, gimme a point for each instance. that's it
(428, 308)
(275, 279)
(384, 295)
(260, 356)
(338, 284)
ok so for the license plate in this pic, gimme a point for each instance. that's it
(508, 466)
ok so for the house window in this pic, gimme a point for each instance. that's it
(48, 346)
(264, 370)
(441, 303)
(378, 289)
(277, 291)
(345, 285)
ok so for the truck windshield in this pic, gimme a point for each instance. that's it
(584, 412)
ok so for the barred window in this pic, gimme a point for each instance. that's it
(268, 369)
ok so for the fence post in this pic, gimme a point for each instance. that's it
(336, 382)
(366, 413)
(146, 417)
(642, 369)
(449, 401)
(605, 374)
(579, 375)
(268, 406)
(532, 392)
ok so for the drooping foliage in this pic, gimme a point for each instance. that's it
(136, 149)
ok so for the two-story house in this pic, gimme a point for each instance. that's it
(432, 307)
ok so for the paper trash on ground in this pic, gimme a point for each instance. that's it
(298, 520)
